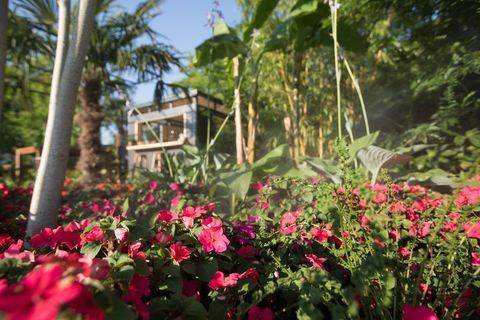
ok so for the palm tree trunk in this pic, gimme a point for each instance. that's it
(65, 81)
(90, 120)
(238, 114)
(3, 50)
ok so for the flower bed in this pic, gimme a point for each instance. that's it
(294, 249)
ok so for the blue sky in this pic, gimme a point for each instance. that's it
(183, 23)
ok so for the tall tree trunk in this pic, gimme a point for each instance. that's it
(65, 81)
(90, 120)
(253, 117)
(297, 62)
(238, 114)
(3, 50)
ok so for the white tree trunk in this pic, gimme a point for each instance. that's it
(238, 114)
(66, 79)
(3, 50)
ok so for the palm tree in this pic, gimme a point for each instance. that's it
(114, 52)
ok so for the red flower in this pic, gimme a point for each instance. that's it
(219, 281)
(255, 313)
(190, 288)
(139, 287)
(418, 313)
(5, 240)
(95, 234)
(404, 252)
(41, 293)
(247, 252)
(167, 216)
(150, 199)
(153, 185)
(315, 261)
(179, 252)
(14, 251)
(134, 251)
(162, 238)
(320, 234)
(251, 274)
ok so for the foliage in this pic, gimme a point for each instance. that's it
(295, 248)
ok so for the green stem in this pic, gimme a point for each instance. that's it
(359, 92)
(333, 14)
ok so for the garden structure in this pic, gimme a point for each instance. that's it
(179, 119)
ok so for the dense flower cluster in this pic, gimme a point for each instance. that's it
(296, 248)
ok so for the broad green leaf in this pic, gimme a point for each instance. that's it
(263, 10)
(125, 273)
(218, 47)
(119, 310)
(279, 152)
(374, 158)
(91, 249)
(192, 309)
(206, 270)
(237, 181)
(217, 310)
(362, 143)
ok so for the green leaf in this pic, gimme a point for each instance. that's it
(193, 309)
(141, 267)
(237, 181)
(279, 152)
(362, 143)
(125, 273)
(217, 310)
(206, 270)
(119, 310)
(374, 158)
(174, 284)
(91, 249)
(263, 10)
(218, 47)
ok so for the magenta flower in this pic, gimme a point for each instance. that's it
(315, 261)
(213, 240)
(121, 234)
(167, 216)
(219, 281)
(95, 234)
(255, 313)
(475, 261)
(418, 313)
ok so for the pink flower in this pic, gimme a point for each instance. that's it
(134, 251)
(213, 240)
(14, 251)
(288, 221)
(404, 253)
(251, 274)
(44, 238)
(314, 180)
(212, 223)
(189, 213)
(257, 186)
(153, 185)
(247, 252)
(380, 198)
(175, 187)
(149, 199)
(468, 196)
(179, 252)
(121, 234)
(162, 239)
(95, 234)
(418, 313)
(219, 281)
(41, 293)
(321, 234)
(315, 261)
(472, 231)
(255, 313)
(419, 206)
(167, 216)
(475, 262)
